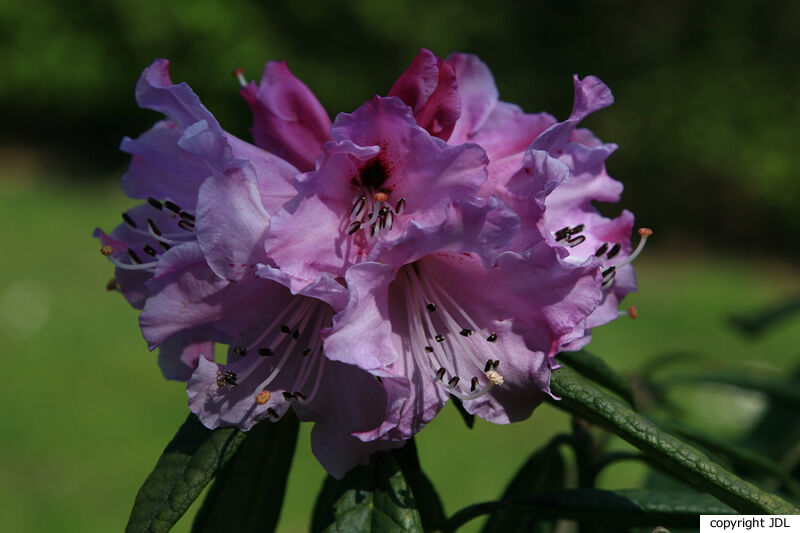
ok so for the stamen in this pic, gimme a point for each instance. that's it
(185, 224)
(631, 312)
(429, 349)
(488, 366)
(465, 332)
(614, 251)
(112, 285)
(299, 395)
(495, 364)
(453, 381)
(354, 227)
(644, 233)
(440, 373)
(239, 351)
(400, 207)
(474, 384)
(149, 250)
(153, 228)
(576, 241)
(306, 352)
(285, 329)
(492, 337)
(431, 307)
(226, 378)
(127, 266)
(562, 234)
(388, 221)
(577, 229)
(172, 206)
(134, 257)
(494, 377)
(128, 220)
(439, 338)
(262, 397)
(164, 245)
(186, 216)
(288, 396)
(358, 207)
(265, 352)
(272, 413)
(600, 251)
(239, 75)
(155, 203)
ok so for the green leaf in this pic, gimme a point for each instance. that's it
(596, 369)
(611, 509)
(428, 502)
(374, 498)
(756, 323)
(785, 391)
(248, 493)
(188, 463)
(581, 398)
(543, 471)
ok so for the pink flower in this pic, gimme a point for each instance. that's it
(439, 301)
(187, 257)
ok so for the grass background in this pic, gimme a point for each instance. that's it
(86, 413)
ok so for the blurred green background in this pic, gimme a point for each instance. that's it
(707, 120)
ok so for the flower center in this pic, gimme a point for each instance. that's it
(373, 209)
(445, 341)
(290, 344)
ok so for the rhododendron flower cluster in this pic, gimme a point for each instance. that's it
(434, 243)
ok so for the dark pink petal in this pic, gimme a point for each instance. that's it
(288, 120)
(430, 88)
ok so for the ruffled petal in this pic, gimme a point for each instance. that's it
(156, 91)
(288, 120)
(429, 86)
(478, 95)
(232, 224)
(381, 152)
(179, 355)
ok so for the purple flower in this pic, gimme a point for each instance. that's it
(188, 256)
(439, 301)
(548, 172)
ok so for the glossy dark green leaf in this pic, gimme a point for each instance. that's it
(596, 369)
(543, 471)
(612, 510)
(247, 494)
(580, 397)
(777, 433)
(188, 463)
(428, 502)
(374, 498)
